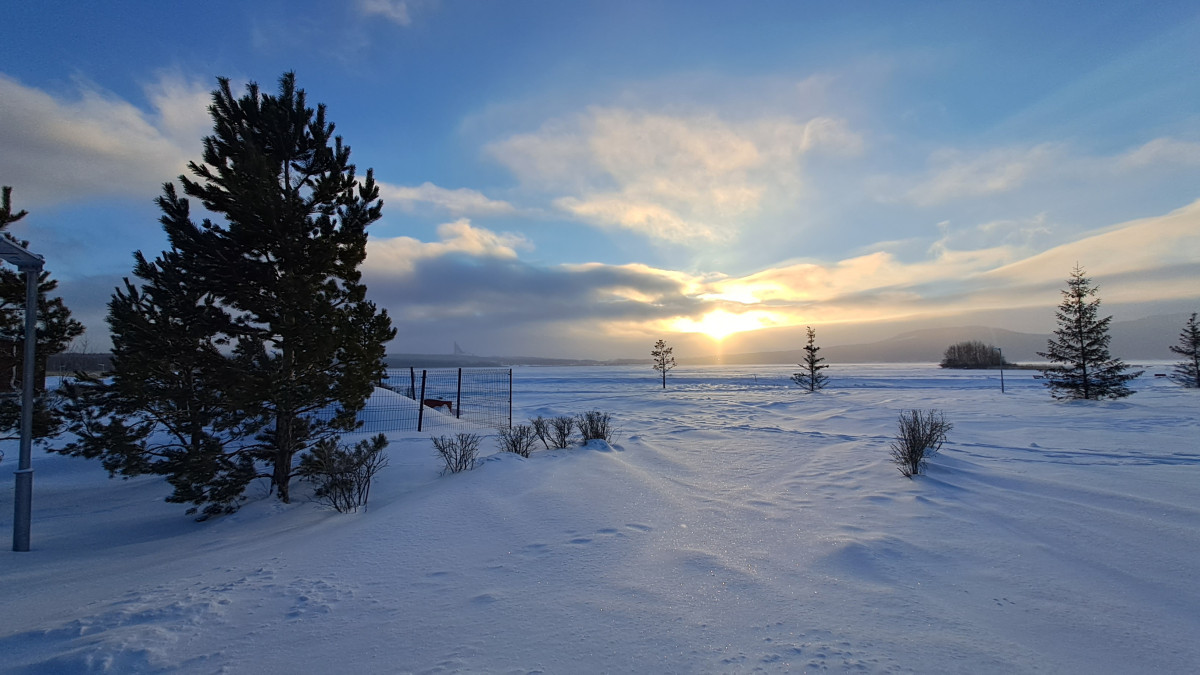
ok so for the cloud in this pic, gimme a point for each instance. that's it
(956, 176)
(1161, 151)
(1158, 258)
(396, 11)
(678, 178)
(474, 277)
(58, 149)
(472, 285)
(400, 255)
(459, 202)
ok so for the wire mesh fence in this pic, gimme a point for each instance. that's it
(409, 399)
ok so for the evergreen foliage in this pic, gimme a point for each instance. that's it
(663, 360)
(168, 405)
(972, 354)
(250, 341)
(1187, 371)
(1084, 369)
(55, 331)
(810, 376)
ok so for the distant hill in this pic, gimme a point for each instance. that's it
(472, 361)
(1147, 338)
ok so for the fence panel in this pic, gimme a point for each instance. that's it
(452, 397)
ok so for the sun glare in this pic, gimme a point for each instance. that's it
(720, 324)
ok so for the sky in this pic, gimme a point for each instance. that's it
(580, 179)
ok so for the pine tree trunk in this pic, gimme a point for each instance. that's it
(284, 450)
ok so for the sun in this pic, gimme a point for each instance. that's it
(720, 324)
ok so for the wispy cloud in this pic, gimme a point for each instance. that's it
(678, 178)
(66, 148)
(460, 201)
(959, 175)
(1162, 151)
(954, 175)
(398, 12)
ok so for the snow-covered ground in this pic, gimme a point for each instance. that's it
(736, 524)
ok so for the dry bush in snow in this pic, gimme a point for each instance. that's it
(561, 428)
(921, 435)
(594, 424)
(541, 429)
(460, 451)
(518, 439)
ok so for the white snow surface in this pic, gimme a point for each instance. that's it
(735, 524)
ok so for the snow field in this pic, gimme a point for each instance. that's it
(735, 525)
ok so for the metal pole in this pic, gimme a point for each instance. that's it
(23, 508)
(421, 403)
(510, 398)
(1001, 369)
(458, 399)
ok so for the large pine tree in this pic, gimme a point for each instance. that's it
(1187, 371)
(810, 376)
(286, 342)
(1081, 365)
(55, 331)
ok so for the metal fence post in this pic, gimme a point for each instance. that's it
(458, 400)
(510, 398)
(421, 403)
(412, 382)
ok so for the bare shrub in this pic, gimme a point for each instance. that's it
(460, 451)
(921, 435)
(561, 428)
(518, 439)
(541, 429)
(343, 474)
(595, 425)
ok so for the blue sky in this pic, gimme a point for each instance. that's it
(582, 178)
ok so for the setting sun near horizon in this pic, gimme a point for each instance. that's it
(720, 324)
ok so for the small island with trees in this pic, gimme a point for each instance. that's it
(974, 354)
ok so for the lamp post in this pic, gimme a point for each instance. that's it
(1001, 352)
(31, 266)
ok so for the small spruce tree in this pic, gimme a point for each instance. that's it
(55, 331)
(1187, 371)
(1079, 349)
(663, 360)
(810, 376)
